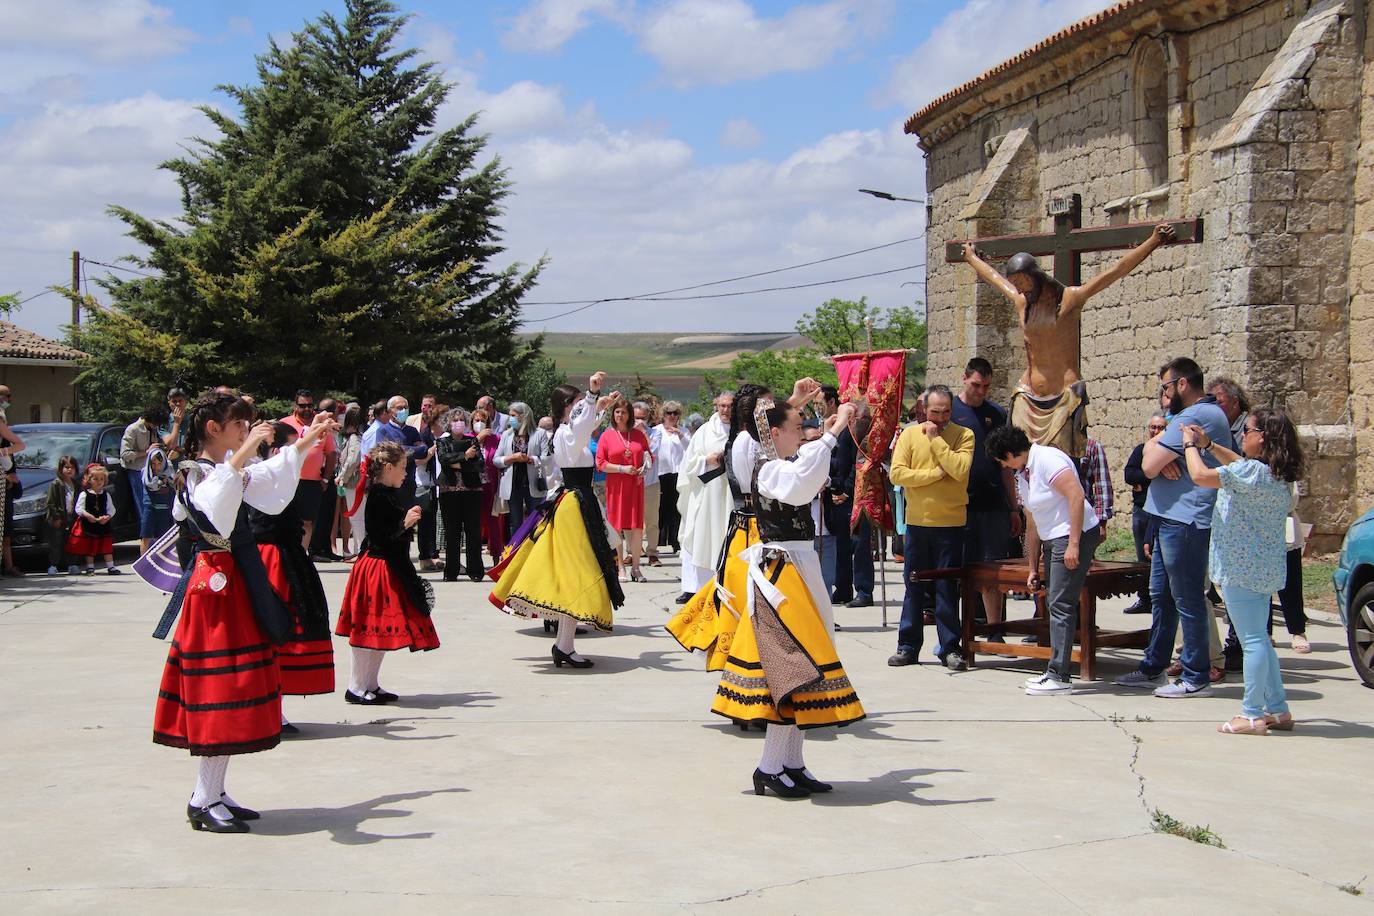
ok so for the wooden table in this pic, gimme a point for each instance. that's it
(1105, 579)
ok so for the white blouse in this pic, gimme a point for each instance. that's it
(268, 486)
(799, 481)
(570, 440)
(743, 453)
(672, 445)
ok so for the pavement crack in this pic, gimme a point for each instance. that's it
(1131, 764)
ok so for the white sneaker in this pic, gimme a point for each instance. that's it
(52, 570)
(1140, 680)
(1048, 684)
(1180, 689)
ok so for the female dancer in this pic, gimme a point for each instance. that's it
(708, 621)
(563, 564)
(306, 659)
(386, 604)
(221, 687)
(782, 667)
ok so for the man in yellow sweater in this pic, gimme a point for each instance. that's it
(931, 464)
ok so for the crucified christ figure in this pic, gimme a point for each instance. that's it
(1050, 397)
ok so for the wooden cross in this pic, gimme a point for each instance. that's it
(1069, 240)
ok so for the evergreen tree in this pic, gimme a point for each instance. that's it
(329, 238)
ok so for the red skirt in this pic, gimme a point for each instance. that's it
(625, 501)
(377, 614)
(81, 544)
(221, 689)
(307, 665)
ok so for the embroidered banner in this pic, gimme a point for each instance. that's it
(874, 382)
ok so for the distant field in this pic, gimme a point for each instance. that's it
(675, 363)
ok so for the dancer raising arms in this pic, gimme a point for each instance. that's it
(386, 605)
(561, 564)
(221, 687)
(783, 668)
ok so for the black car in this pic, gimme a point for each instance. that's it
(44, 444)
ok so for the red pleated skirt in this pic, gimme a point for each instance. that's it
(221, 688)
(377, 614)
(81, 544)
(307, 665)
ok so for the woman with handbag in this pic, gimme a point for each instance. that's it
(462, 475)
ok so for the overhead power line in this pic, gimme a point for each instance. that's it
(762, 273)
(118, 267)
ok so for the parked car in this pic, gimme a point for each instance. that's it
(44, 443)
(1354, 580)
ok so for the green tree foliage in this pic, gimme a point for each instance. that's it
(836, 327)
(329, 238)
(537, 382)
(8, 303)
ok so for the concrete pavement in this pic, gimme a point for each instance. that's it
(498, 784)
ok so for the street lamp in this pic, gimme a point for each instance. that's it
(884, 195)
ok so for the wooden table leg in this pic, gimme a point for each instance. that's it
(1087, 635)
(966, 613)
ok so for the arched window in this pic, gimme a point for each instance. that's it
(1150, 116)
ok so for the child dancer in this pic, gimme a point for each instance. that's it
(221, 687)
(386, 604)
(60, 512)
(90, 537)
(306, 659)
(782, 668)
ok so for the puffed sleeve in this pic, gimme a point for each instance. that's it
(271, 485)
(218, 495)
(798, 482)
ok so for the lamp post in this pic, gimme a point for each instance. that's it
(884, 195)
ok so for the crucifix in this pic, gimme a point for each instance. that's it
(1050, 397)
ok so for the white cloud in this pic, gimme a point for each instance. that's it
(107, 30)
(61, 167)
(740, 133)
(547, 24)
(718, 42)
(975, 38)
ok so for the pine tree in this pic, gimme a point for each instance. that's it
(329, 238)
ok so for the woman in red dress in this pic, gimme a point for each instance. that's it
(623, 455)
(386, 605)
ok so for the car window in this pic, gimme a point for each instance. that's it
(109, 443)
(42, 447)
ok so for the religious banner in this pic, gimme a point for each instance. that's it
(874, 382)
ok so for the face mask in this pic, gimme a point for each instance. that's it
(401, 415)
(457, 427)
(478, 426)
(4, 403)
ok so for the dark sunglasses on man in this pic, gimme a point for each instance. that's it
(305, 408)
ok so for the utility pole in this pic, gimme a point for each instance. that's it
(76, 326)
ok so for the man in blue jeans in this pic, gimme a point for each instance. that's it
(1178, 568)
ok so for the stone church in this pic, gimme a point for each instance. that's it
(1256, 115)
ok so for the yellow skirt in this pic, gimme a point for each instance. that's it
(782, 665)
(555, 571)
(707, 623)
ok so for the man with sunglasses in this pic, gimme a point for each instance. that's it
(316, 467)
(1178, 567)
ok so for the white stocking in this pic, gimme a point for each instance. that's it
(362, 678)
(374, 669)
(567, 635)
(210, 785)
(775, 751)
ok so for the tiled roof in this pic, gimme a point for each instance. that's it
(1110, 12)
(19, 343)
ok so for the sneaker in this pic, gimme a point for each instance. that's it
(1047, 684)
(1181, 689)
(903, 657)
(954, 661)
(1140, 607)
(73, 570)
(52, 570)
(1174, 670)
(1140, 680)
(860, 601)
(114, 571)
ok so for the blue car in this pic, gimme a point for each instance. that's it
(1354, 580)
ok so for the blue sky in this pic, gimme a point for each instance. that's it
(653, 143)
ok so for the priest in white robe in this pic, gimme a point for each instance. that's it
(704, 501)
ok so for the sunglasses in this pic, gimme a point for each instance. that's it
(305, 406)
(672, 413)
(1165, 387)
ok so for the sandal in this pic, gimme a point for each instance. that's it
(1258, 726)
(1283, 722)
(637, 576)
(1301, 645)
(655, 561)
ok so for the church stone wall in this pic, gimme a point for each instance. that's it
(1263, 300)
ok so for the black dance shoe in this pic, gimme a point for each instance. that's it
(202, 819)
(806, 782)
(385, 696)
(550, 626)
(288, 730)
(781, 789)
(560, 658)
(243, 814)
(351, 697)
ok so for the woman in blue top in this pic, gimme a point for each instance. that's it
(1247, 553)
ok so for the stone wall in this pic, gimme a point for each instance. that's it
(1362, 285)
(1261, 141)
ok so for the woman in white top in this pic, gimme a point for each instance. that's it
(1060, 522)
(523, 457)
(564, 566)
(673, 441)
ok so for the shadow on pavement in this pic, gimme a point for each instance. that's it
(344, 824)
(476, 700)
(390, 729)
(891, 787)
